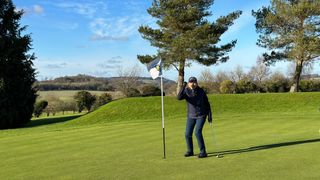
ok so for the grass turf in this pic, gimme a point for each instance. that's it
(260, 136)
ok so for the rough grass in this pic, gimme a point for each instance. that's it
(67, 95)
(63, 95)
(260, 136)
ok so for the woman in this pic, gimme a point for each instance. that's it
(198, 110)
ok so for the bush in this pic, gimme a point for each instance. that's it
(150, 90)
(132, 92)
(277, 86)
(277, 83)
(84, 99)
(227, 87)
(103, 99)
(245, 86)
(309, 85)
(39, 107)
(210, 87)
(71, 106)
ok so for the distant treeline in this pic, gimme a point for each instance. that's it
(79, 82)
(90, 83)
(90, 86)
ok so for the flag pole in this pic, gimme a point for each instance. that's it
(163, 130)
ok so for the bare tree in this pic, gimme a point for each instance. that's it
(207, 82)
(206, 76)
(128, 79)
(53, 102)
(237, 74)
(259, 72)
(221, 76)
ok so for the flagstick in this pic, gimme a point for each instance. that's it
(163, 131)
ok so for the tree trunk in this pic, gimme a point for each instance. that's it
(181, 75)
(296, 78)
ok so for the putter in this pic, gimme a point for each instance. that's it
(214, 140)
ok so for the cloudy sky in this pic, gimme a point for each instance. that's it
(97, 37)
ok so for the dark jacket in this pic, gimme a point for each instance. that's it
(197, 102)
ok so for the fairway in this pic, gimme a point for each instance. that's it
(260, 136)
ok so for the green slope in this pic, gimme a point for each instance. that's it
(149, 109)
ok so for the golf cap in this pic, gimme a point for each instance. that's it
(192, 79)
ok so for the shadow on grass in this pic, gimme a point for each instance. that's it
(53, 120)
(262, 147)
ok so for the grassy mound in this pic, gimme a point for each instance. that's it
(149, 109)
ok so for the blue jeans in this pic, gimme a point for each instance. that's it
(191, 123)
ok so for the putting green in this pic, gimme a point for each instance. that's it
(260, 136)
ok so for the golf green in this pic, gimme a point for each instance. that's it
(259, 136)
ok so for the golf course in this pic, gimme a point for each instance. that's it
(258, 136)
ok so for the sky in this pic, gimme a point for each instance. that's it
(100, 37)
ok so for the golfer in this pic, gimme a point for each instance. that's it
(198, 110)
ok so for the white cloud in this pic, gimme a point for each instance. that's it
(105, 27)
(34, 10)
(111, 64)
(67, 26)
(118, 28)
(86, 9)
(38, 9)
(54, 65)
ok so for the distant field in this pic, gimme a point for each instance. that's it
(68, 95)
(260, 136)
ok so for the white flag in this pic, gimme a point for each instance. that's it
(155, 69)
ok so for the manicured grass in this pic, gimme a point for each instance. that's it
(260, 136)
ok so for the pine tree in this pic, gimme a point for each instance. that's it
(290, 29)
(185, 35)
(17, 75)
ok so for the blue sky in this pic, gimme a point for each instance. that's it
(97, 37)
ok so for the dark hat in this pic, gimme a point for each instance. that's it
(192, 79)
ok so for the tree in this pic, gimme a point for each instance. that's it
(206, 81)
(128, 79)
(227, 87)
(103, 99)
(277, 83)
(133, 92)
(259, 73)
(237, 74)
(307, 69)
(71, 106)
(221, 76)
(61, 106)
(185, 35)
(54, 104)
(290, 30)
(17, 75)
(39, 107)
(84, 99)
(206, 76)
(150, 90)
(245, 86)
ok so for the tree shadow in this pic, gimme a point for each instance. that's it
(262, 147)
(48, 121)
